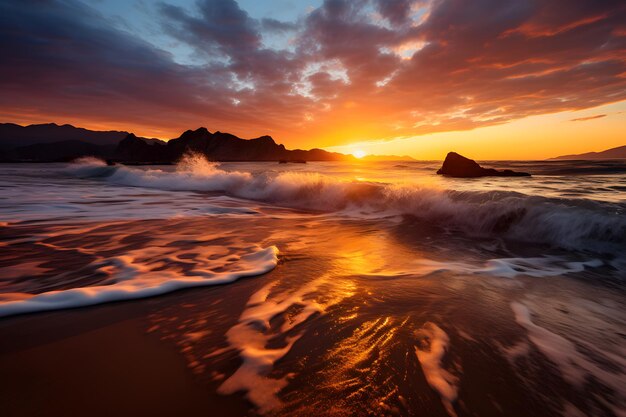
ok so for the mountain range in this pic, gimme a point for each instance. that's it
(613, 153)
(51, 142)
(216, 146)
(59, 143)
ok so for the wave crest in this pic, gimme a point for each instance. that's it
(577, 224)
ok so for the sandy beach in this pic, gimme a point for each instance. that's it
(357, 317)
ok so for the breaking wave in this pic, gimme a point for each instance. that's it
(568, 223)
(138, 274)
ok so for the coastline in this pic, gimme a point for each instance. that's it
(69, 361)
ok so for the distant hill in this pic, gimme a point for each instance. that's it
(216, 146)
(63, 151)
(13, 135)
(51, 142)
(613, 153)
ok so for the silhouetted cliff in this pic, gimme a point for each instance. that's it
(54, 143)
(216, 146)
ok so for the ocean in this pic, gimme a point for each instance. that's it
(361, 288)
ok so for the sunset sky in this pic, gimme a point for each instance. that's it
(495, 79)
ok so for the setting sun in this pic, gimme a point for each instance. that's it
(359, 153)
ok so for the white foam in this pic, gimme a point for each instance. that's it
(514, 215)
(132, 277)
(546, 266)
(251, 336)
(434, 346)
(52, 198)
(573, 365)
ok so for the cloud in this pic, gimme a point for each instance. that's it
(352, 70)
(273, 25)
(220, 23)
(396, 11)
(62, 60)
(584, 119)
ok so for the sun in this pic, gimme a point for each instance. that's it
(359, 153)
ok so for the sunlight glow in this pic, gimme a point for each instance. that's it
(359, 153)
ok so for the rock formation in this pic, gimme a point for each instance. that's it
(216, 146)
(459, 166)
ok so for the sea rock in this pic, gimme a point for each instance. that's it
(456, 165)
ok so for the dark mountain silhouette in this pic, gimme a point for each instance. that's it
(613, 153)
(13, 135)
(60, 143)
(216, 146)
(63, 151)
(51, 142)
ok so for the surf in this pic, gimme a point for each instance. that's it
(567, 223)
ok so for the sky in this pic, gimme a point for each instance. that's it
(493, 79)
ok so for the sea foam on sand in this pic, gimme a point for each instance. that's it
(132, 277)
(575, 367)
(254, 333)
(430, 357)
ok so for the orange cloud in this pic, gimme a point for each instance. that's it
(584, 119)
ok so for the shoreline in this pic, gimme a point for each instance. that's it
(67, 361)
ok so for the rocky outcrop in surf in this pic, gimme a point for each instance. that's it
(456, 165)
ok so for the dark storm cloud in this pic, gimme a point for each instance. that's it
(273, 25)
(57, 54)
(396, 11)
(342, 30)
(222, 28)
(395, 67)
(221, 23)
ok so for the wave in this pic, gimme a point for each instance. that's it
(575, 367)
(567, 223)
(563, 167)
(134, 276)
(255, 338)
(601, 167)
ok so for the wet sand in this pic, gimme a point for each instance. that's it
(103, 361)
(347, 321)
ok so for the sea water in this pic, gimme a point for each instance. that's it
(383, 287)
